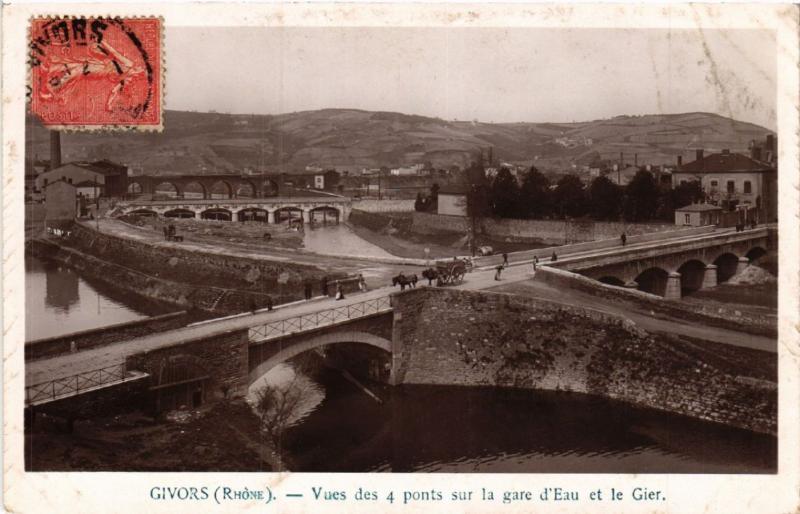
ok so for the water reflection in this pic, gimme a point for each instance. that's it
(59, 301)
(453, 429)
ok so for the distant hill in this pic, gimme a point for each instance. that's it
(194, 142)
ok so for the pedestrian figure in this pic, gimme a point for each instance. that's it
(269, 302)
(505, 259)
(554, 257)
(307, 289)
(339, 292)
(362, 284)
(535, 262)
(325, 286)
(623, 238)
(498, 269)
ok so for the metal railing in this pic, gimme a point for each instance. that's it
(284, 327)
(74, 384)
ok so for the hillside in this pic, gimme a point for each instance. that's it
(195, 142)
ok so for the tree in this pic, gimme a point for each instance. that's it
(569, 197)
(278, 406)
(535, 198)
(433, 199)
(687, 193)
(605, 199)
(504, 194)
(641, 197)
(477, 200)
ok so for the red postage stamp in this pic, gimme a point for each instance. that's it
(96, 73)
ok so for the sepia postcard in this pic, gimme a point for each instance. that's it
(412, 257)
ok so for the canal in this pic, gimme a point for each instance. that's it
(58, 301)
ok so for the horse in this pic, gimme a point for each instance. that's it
(430, 274)
(410, 281)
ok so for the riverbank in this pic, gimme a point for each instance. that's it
(394, 233)
(222, 437)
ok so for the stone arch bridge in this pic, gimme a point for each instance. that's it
(267, 210)
(670, 267)
(201, 187)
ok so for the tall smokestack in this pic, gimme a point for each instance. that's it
(55, 149)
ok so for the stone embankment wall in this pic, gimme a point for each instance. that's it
(556, 232)
(491, 339)
(85, 339)
(370, 205)
(714, 315)
(191, 279)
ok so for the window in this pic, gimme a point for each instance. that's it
(748, 187)
(687, 219)
(714, 183)
(731, 187)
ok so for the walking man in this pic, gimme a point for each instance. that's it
(623, 238)
(498, 269)
(269, 303)
(554, 257)
(505, 259)
(535, 262)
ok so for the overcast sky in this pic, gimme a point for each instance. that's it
(493, 75)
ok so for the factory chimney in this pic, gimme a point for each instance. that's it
(55, 149)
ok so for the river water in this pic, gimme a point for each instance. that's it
(458, 429)
(449, 429)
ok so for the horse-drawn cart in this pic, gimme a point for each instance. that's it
(450, 272)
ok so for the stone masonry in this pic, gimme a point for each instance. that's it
(493, 339)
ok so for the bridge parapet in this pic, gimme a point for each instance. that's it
(322, 318)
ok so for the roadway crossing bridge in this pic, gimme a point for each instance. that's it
(220, 358)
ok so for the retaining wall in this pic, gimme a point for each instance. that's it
(469, 338)
(373, 205)
(556, 232)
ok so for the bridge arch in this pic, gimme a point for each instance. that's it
(195, 190)
(756, 253)
(253, 214)
(318, 341)
(179, 213)
(245, 189)
(726, 266)
(612, 281)
(135, 189)
(324, 214)
(653, 280)
(177, 381)
(692, 273)
(144, 212)
(269, 188)
(288, 212)
(221, 189)
(217, 214)
(168, 189)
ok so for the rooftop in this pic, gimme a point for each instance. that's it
(699, 207)
(724, 163)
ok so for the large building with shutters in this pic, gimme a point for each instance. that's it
(733, 180)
